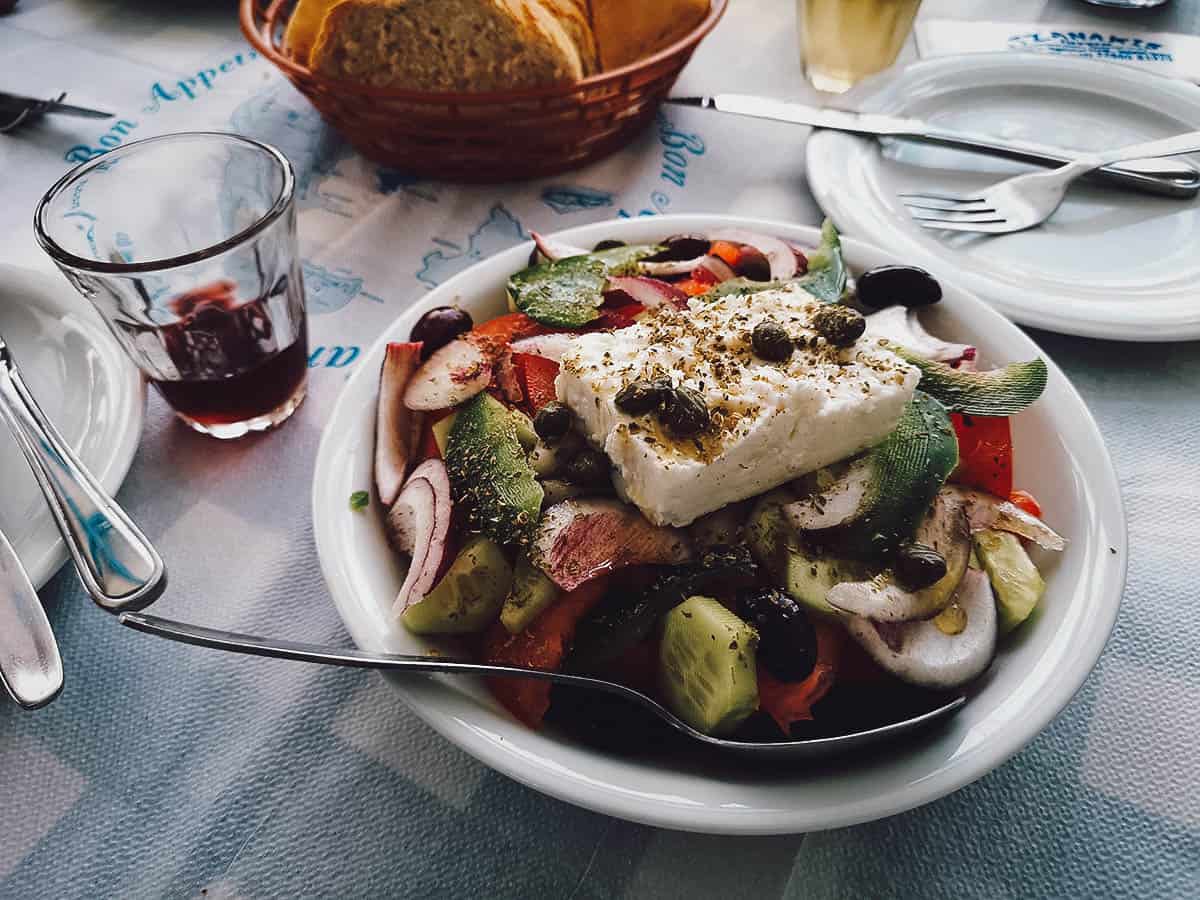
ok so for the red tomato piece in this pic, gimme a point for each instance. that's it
(543, 645)
(984, 453)
(536, 375)
(1027, 502)
(694, 288)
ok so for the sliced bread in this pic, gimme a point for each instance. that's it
(446, 45)
(629, 30)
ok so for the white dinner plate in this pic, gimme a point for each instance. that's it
(84, 383)
(1109, 263)
(1060, 457)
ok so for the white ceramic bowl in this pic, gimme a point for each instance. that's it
(1060, 458)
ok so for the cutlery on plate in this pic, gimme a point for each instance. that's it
(16, 111)
(1027, 200)
(1153, 176)
(811, 748)
(116, 563)
(30, 668)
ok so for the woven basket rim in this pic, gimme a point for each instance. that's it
(258, 32)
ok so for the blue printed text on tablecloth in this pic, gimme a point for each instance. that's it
(679, 148)
(160, 92)
(333, 357)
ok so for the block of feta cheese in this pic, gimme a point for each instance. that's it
(770, 421)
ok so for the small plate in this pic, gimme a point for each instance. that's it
(1060, 458)
(84, 383)
(1109, 263)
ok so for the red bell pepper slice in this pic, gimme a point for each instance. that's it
(792, 701)
(543, 645)
(511, 327)
(728, 252)
(1027, 502)
(984, 453)
(536, 375)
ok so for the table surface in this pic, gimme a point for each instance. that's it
(172, 771)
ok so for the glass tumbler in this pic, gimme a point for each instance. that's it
(186, 244)
(844, 41)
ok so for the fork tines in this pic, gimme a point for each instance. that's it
(951, 212)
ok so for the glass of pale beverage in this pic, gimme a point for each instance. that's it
(844, 41)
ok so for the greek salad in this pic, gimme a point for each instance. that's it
(716, 469)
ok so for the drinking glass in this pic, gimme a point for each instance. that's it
(186, 244)
(844, 41)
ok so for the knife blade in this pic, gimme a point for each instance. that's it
(30, 667)
(1170, 178)
(11, 103)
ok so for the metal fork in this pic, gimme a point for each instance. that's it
(1027, 200)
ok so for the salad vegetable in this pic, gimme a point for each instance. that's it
(716, 469)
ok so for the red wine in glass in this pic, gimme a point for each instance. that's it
(231, 367)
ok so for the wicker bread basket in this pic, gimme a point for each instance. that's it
(497, 136)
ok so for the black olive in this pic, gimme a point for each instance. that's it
(684, 412)
(753, 264)
(588, 468)
(680, 247)
(552, 422)
(840, 325)
(771, 341)
(640, 397)
(440, 326)
(897, 285)
(787, 643)
(608, 244)
(918, 566)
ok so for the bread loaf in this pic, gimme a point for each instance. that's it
(453, 45)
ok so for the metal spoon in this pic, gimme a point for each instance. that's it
(116, 563)
(30, 668)
(256, 646)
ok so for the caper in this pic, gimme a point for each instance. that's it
(771, 341)
(840, 325)
(607, 244)
(552, 422)
(642, 396)
(587, 468)
(685, 412)
(918, 566)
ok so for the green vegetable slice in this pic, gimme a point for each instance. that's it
(567, 293)
(1000, 392)
(826, 275)
(907, 470)
(489, 476)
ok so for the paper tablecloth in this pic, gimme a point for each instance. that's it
(167, 771)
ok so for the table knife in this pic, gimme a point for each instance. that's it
(1170, 178)
(31, 670)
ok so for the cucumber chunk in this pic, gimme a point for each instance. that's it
(707, 666)
(531, 593)
(1015, 579)
(469, 595)
(804, 575)
(622, 619)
